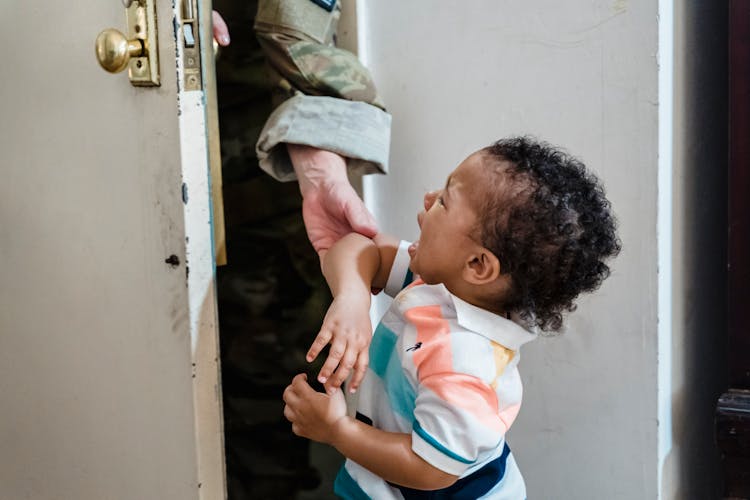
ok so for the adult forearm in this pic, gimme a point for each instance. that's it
(316, 167)
(388, 455)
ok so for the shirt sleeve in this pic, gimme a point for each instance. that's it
(357, 131)
(332, 102)
(456, 421)
(400, 276)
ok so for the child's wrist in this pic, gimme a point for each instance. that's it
(352, 290)
(340, 430)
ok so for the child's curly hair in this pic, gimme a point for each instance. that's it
(551, 229)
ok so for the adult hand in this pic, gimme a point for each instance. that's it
(332, 211)
(221, 31)
(330, 207)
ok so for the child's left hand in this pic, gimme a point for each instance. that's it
(313, 414)
(348, 329)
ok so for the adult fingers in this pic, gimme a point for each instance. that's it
(221, 31)
(359, 218)
(324, 336)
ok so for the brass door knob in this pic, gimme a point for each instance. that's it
(114, 50)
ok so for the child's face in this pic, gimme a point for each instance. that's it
(447, 225)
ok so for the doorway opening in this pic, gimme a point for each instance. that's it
(271, 294)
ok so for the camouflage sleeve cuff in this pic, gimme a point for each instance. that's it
(356, 130)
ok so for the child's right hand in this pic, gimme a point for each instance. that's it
(313, 415)
(348, 329)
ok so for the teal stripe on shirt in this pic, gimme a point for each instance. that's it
(408, 279)
(435, 444)
(386, 364)
(347, 488)
(381, 349)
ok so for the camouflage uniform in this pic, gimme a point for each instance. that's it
(272, 297)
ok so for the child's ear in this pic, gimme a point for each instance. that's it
(482, 267)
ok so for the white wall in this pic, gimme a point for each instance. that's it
(581, 74)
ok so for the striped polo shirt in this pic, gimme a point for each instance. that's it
(444, 371)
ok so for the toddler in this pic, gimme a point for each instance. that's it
(517, 233)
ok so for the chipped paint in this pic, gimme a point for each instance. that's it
(199, 277)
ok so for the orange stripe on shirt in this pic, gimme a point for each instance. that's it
(433, 332)
(434, 363)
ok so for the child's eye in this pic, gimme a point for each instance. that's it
(440, 200)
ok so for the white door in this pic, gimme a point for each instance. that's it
(108, 347)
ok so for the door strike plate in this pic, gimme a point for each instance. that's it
(191, 50)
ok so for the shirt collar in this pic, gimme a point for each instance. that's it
(509, 333)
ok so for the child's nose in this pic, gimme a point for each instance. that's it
(429, 199)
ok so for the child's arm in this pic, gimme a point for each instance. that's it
(322, 417)
(351, 267)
